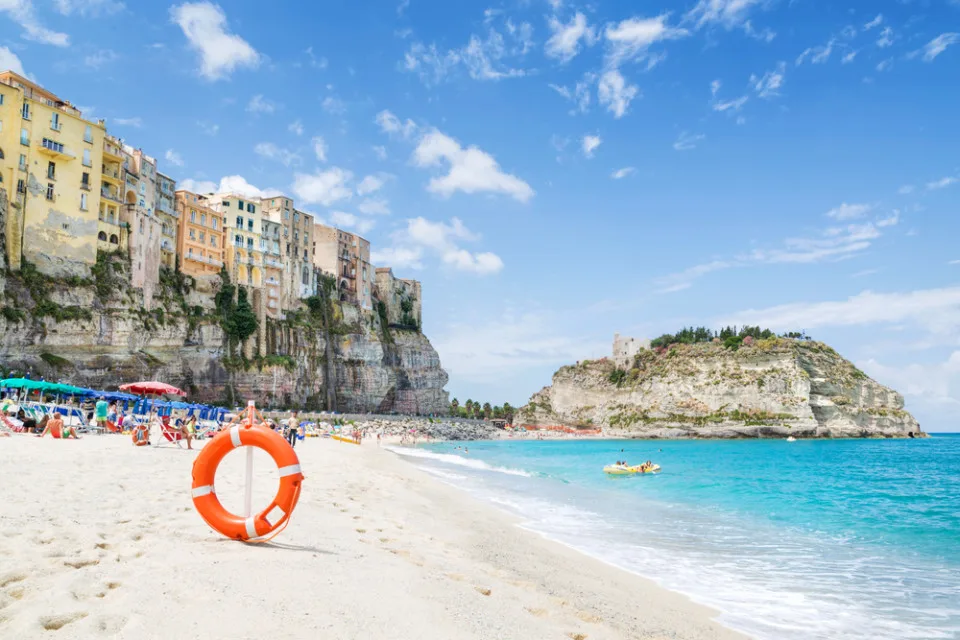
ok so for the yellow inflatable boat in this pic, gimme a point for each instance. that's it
(621, 470)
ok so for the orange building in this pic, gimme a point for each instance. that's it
(200, 235)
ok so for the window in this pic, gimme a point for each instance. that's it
(50, 195)
(214, 223)
(239, 222)
(193, 215)
(190, 251)
(1, 99)
(203, 237)
(23, 162)
(88, 134)
(55, 121)
(249, 243)
(86, 158)
(21, 186)
(193, 234)
(226, 203)
(85, 181)
(213, 241)
(52, 170)
(296, 217)
(286, 215)
(26, 111)
(203, 218)
(83, 202)
(24, 137)
(249, 225)
(237, 240)
(240, 204)
(251, 208)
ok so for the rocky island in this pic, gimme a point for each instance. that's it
(776, 386)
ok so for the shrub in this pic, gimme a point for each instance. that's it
(617, 377)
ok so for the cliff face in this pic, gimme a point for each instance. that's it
(775, 388)
(100, 341)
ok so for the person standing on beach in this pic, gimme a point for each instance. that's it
(100, 411)
(292, 425)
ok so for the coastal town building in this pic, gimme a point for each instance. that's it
(296, 247)
(50, 158)
(111, 236)
(273, 266)
(624, 349)
(145, 229)
(165, 208)
(200, 235)
(345, 256)
(243, 229)
(402, 299)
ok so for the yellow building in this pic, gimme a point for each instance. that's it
(111, 234)
(50, 166)
(200, 235)
(244, 229)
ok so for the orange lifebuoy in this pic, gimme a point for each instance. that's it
(141, 435)
(205, 469)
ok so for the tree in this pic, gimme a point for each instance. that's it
(454, 406)
(508, 412)
(245, 320)
(487, 410)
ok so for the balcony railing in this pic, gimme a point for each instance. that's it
(270, 262)
(205, 260)
(108, 220)
(105, 193)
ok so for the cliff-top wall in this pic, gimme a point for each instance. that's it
(773, 388)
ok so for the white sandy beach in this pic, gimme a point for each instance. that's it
(100, 539)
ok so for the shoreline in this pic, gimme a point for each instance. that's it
(376, 547)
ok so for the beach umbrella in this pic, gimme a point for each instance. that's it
(24, 383)
(152, 389)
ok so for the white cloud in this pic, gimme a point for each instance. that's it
(398, 257)
(238, 184)
(687, 141)
(727, 13)
(346, 220)
(619, 174)
(616, 93)
(631, 39)
(483, 59)
(374, 206)
(198, 186)
(564, 43)
(296, 128)
(381, 152)
(471, 169)
(876, 22)
(938, 45)
(730, 105)
(905, 189)
(954, 262)
(579, 95)
(10, 61)
(128, 122)
(830, 245)
(886, 38)
(391, 124)
(942, 183)
(323, 187)
(768, 85)
(817, 55)
(481, 348)
(173, 158)
(315, 62)
(444, 240)
(883, 65)
(715, 87)
(319, 148)
(270, 151)
(205, 26)
(849, 57)
(99, 58)
(589, 144)
(23, 13)
(88, 7)
(369, 184)
(849, 211)
(259, 104)
(334, 105)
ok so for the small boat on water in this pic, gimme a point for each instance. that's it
(623, 470)
(791, 439)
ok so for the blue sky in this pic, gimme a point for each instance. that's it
(555, 171)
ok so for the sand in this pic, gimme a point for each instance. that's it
(100, 539)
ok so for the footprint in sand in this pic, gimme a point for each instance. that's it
(102, 545)
(577, 636)
(17, 593)
(80, 564)
(589, 617)
(483, 592)
(537, 613)
(10, 578)
(53, 623)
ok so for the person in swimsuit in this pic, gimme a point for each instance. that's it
(56, 428)
(188, 430)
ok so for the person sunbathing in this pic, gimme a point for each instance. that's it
(57, 429)
(188, 430)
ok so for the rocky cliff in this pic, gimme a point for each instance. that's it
(96, 333)
(773, 388)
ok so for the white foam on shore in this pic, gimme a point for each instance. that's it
(460, 461)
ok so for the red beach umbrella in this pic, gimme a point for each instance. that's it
(152, 389)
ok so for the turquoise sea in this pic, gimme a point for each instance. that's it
(811, 539)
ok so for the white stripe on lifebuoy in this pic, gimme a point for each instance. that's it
(251, 528)
(202, 491)
(289, 471)
(235, 436)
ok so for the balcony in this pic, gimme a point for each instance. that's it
(205, 260)
(110, 195)
(273, 293)
(110, 175)
(107, 218)
(167, 231)
(54, 149)
(352, 276)
(270, 262)
(272, 281)
(167, 246)
(112, 152)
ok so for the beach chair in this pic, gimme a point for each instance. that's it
(169, 434)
